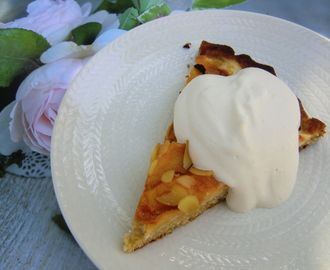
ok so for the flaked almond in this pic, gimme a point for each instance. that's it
(154, 152)
(163, 148)
(173, 197)
(152, 166)
(167, 176)
(200, 172)
(188, 204)
(186, 157)
(186, 181)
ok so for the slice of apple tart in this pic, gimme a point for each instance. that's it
(175, 192)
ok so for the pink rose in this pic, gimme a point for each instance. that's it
(54, 19)
(37, 101)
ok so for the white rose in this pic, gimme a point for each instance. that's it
(54, 20)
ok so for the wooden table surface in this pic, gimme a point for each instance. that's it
(29, 239)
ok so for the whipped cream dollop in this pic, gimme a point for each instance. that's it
(244, 128)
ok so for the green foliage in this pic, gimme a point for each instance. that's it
(60, 222)
(85, 34)
(154, 12)
(204, 4)
(143, 11)
(20, 51)
(8, 94)
(143, 5)
(128, 20)
(117, 7)
(15, 158)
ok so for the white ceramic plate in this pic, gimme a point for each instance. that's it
(117, 109)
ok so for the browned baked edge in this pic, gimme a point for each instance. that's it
(222, 60)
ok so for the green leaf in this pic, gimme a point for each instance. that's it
(85, 34)
(143, 5)
(128, 20)
(60, 222)
(154, 12)
(20, 51)
(8, 94)
(204, 4)
(114, 7)
(15, 158)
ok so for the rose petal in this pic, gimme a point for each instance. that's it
(86, 9)
(43, 125)
(15, 126)
(67, 49)
(7, 146)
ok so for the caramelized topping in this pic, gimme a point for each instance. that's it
(173, 197)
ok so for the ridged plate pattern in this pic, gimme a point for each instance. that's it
(121, 103)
